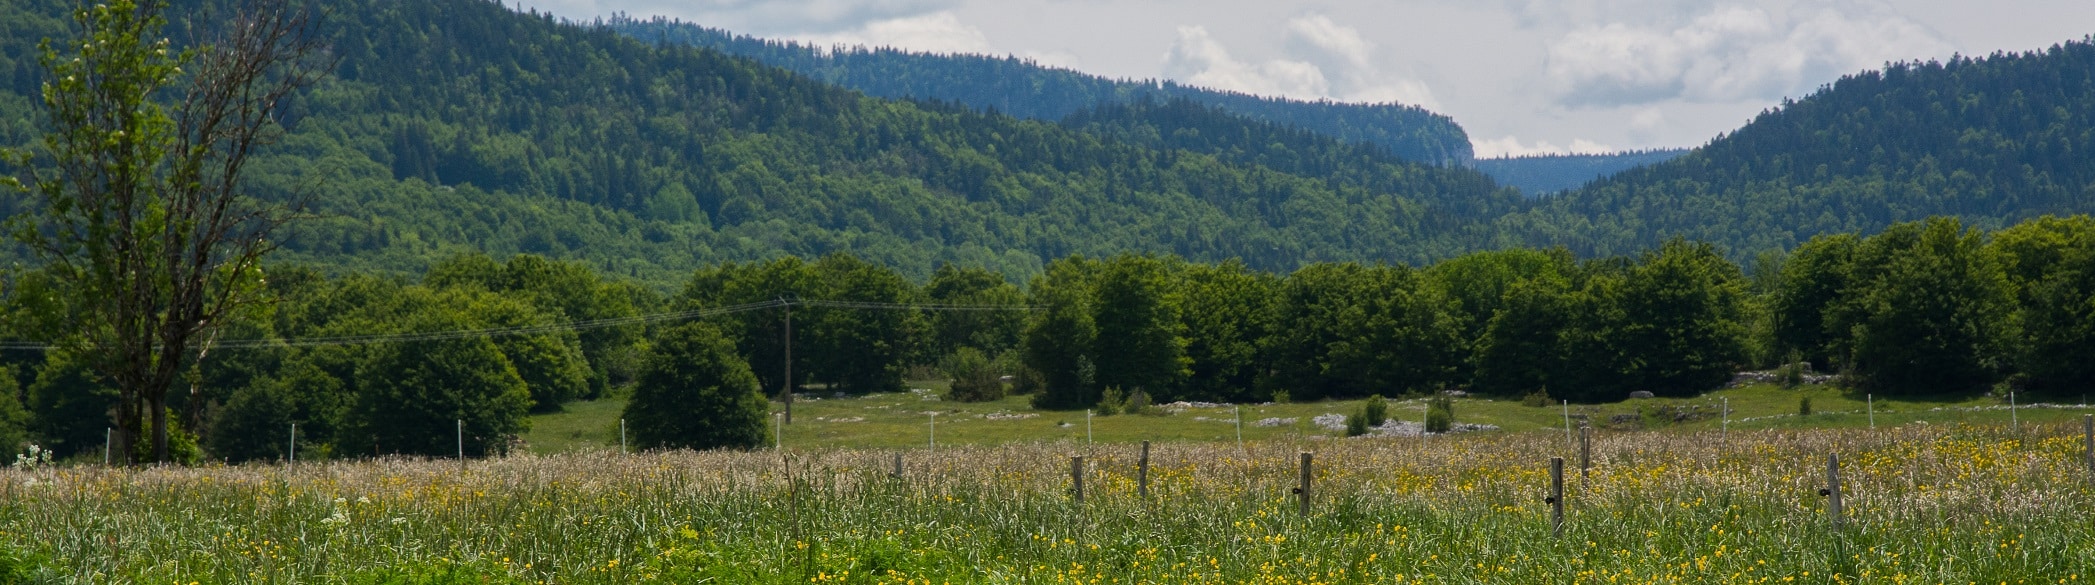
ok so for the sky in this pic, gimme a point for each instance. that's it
(1521, 76)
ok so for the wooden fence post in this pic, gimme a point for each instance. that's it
(1556, 496)
(898, 466)
(1076, 477)
(2087, 423)
(1832, 491)
(1303, 490)
(1142, 472)
(1585, 452)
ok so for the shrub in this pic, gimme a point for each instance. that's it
(1280, 396)
(1804, 406)
(1357, 424)
(695, 392)
(1790, 375)
(1538, 398)
(1109, 401)
(975, 378)
(1440, 414)
(1375, 410)
(1137, 403)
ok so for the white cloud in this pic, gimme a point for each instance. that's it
(1058, 59)
(1730, 54)
(1511, 146)
(1197, 58)
(1325, 60)
(937, 32)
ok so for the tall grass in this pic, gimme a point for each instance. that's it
(1925, 504)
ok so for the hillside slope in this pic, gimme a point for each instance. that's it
(1992, 140)
(456, 125)
(1022, 88)
(1556, 173)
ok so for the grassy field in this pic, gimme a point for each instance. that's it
(1935, 503)
(904, 420)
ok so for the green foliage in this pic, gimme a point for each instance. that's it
(851, 350)
(71, 406)
(1138, 402)
(695, 393)
(1020, 87)
(993, 332)
(413, 395)
(551, 365)
(1227, 311)
(1375, 410)
(14, 419)
(1538, 399)
(457, 125)
(1803, 406)
(1556, 173)
(1929, 311)
(1440, 414)
(566, 291)
(182, 447)
(1994, 140)
(1354, 331)
(1058, 339)
(1357, 424)
(19, 567)
(975, 377)
(1110, 401)
(2050, 262)
(1140, 341)
(255, 424)
(1682, 319)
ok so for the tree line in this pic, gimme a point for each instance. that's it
(461, 125)
(1921, 309)
(1026, 89)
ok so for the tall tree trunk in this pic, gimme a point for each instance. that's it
(159, 405)
(126, 427)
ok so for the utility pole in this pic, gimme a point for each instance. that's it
(789, 361)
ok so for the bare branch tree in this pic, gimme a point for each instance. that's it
(144, 223)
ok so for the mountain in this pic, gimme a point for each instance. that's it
(1992, 140)
(1024, 88)
(459, 125)
(1556, 173)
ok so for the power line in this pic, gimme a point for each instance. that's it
(564, 327)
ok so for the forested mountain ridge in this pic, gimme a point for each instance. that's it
(459, 125)
(1556, 173)
(1023, 88)
(1993, 140)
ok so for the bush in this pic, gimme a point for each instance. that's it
(1357, 424)
(695, 392)
(1109, 402)
(1804, 406)
(1375, 410)
(1538, 398)
(1137, 403)
(1440, 414)
(975, 378)
(1790, 375)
